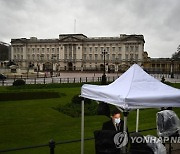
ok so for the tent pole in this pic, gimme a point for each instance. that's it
(82, 126)
(125, 113)
(137, 120)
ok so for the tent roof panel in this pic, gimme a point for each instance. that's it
(132, 89)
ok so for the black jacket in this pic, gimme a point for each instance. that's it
(110, 126)
(104, 139)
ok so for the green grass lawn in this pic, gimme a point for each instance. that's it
(33, 122)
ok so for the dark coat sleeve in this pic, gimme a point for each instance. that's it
(108, 126)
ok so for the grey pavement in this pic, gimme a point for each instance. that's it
(76, 77)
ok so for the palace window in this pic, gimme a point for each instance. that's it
(28, 57)
(136, 49)
(96, 57)
(120, 56)
(74, 49)
(65, 48)
(113, 48)
(131, 57)
(65, 56)
(84, 49)
(52, 50)
(132, 48)
(107, 57)
(38, 57)
(74, 56)
(102, 49)
(127, 48)
(33, 56)
(84, 57)
(113, 57)
(136, 57)
(90, 57)
(101, 57)
(126, 57)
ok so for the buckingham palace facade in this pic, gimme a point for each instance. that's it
(73, 52)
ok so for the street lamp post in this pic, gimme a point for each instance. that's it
(172, 68)
(103, 82)
(52, 58)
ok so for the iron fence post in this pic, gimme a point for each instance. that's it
(51, 146)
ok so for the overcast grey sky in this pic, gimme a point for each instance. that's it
(157, 20)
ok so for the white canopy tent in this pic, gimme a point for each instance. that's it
(133, 90)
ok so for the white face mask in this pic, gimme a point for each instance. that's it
(117, 120)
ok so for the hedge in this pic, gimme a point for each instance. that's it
(73, 109)
(19, 82)
(14, 96)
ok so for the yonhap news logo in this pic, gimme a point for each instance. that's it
(121, 139)
(155, 140)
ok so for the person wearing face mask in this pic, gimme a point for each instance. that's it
(115, 124)
(104, 139)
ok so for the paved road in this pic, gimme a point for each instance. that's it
(67, 77)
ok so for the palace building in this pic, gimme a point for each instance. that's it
(162, 65)
(78, 52)
(4, 51)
